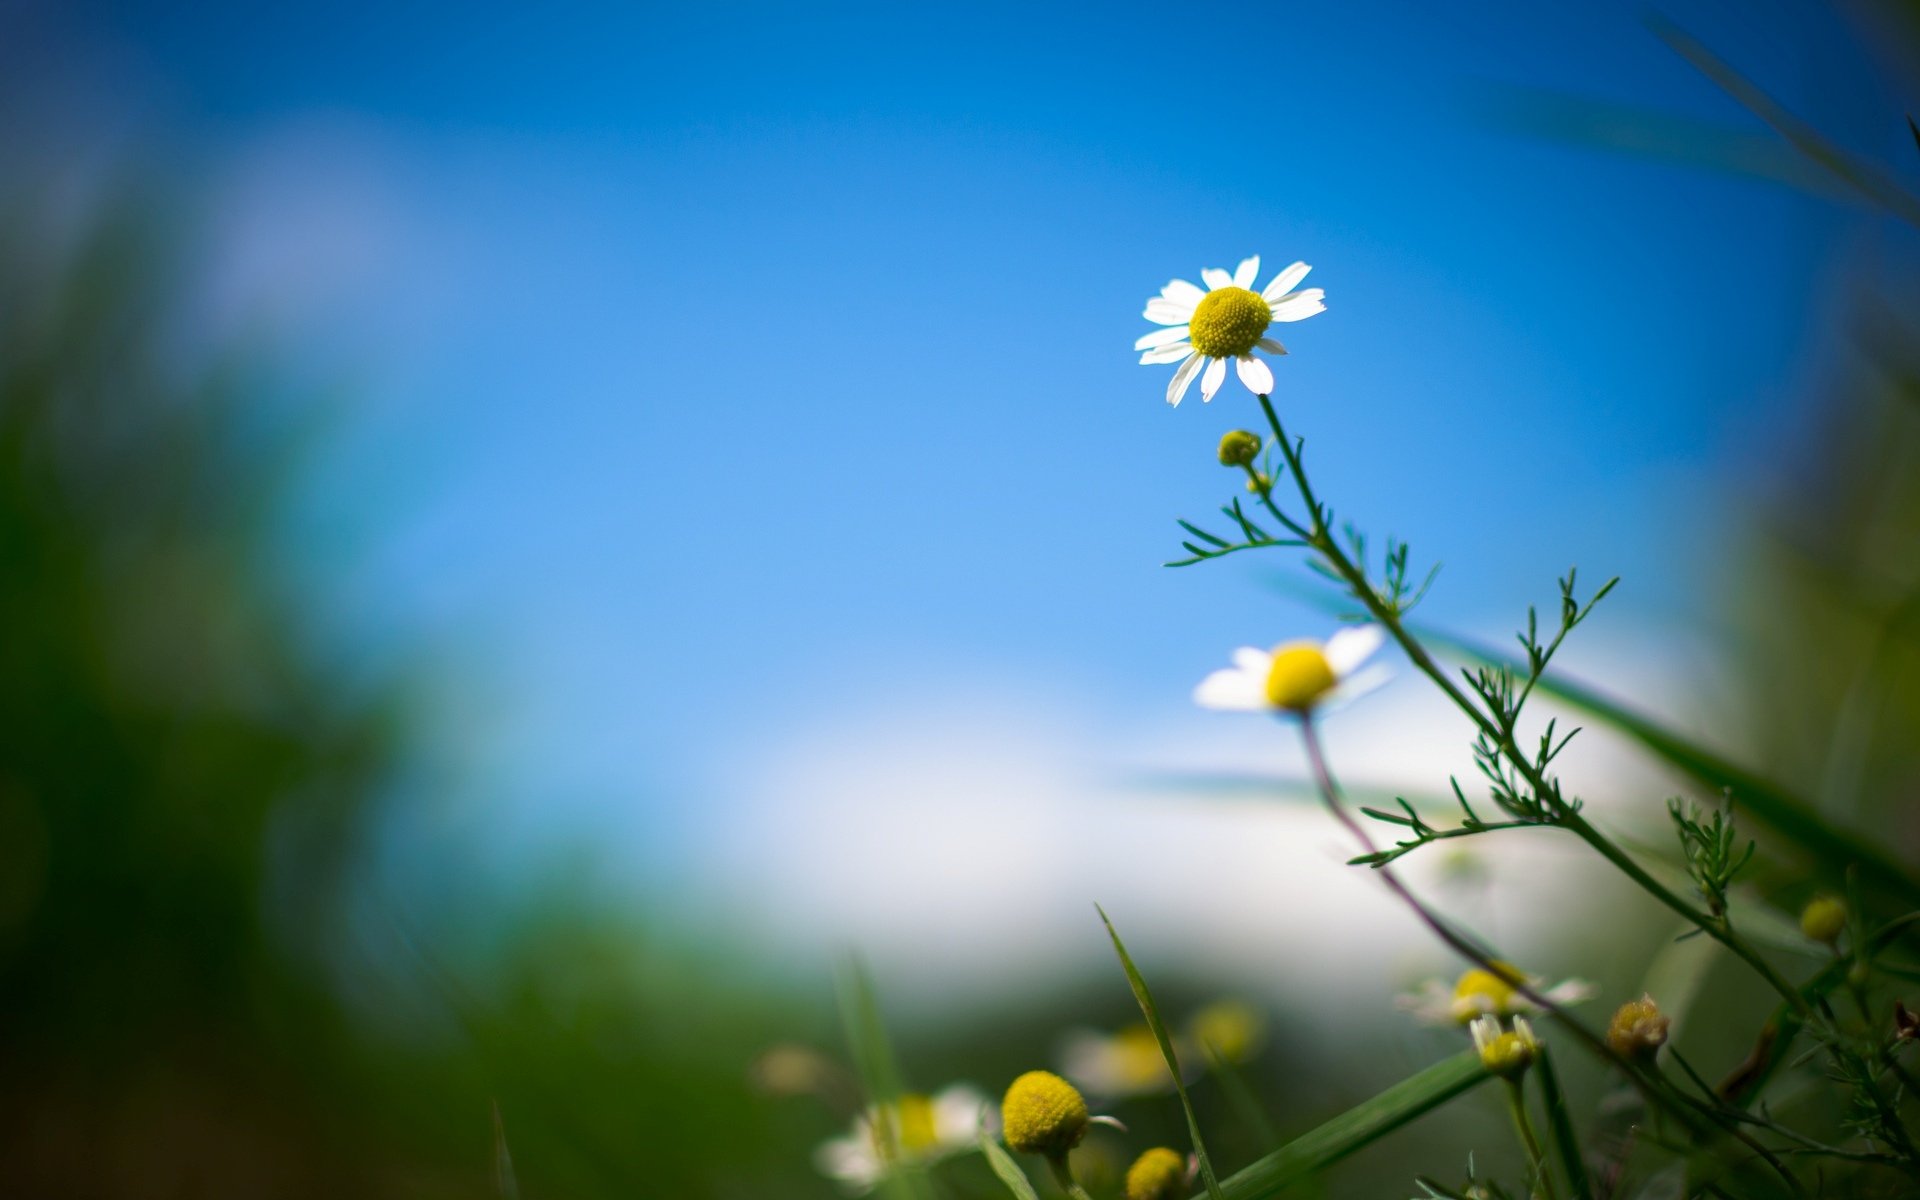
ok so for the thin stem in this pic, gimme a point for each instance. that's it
(1320, 539)
(1063, 1175)
(1650, 1084)
(1523, 1125)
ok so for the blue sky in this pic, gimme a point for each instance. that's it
(724, 365)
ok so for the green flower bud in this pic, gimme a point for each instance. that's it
(1239, 448)
(1824, 918)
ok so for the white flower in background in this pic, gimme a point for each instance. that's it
(1483, 993)
(915, 1131)
(1112, 1066)
(1296, 677)
(1227, 321)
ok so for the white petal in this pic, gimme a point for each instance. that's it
(1285, 282)
(1162, 337)
(1216, 278)
(1232, 691)
(1255, 375)
(1166, 312)
(958, 1113)
(1181, 292)
(1352, 646)
(1271, 346)
(1211, 381)
(1183, 378)
(1573, 991)
(1357, 685)
(1254, 662)
(1243, 275)
(1167, 354)
(1300, 305)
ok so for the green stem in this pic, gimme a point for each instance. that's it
(1560, 1121)
(1063, 1175)
(1320, 539)
(1523, 1125)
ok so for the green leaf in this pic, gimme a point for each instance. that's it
(1863, 177)
(873, 1060)
(1008, 1170)
(503, 1178)
(1358, 1127)
(1566, 1143)
(1147, 1010)
(1793, 818)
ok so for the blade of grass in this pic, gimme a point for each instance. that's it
(1246, 1105)
(1147, 1010)
(1863, 177)
(1316, 1150)
(503, 1177)
(1566, 1143)
(1008, 1170)
(879, 1072)
(1793, 818)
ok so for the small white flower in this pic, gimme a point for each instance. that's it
(1505, 1052)
(1297, 676)
(917, 1130)
(1482, 993)
(1227, 321)
(1127, 1063)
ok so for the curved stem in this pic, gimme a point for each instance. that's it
(1063, 1175)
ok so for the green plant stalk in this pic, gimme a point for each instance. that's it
(1566, 1143)
(1063, 1175)
(1523, 1126)
(1319, 538)
(1689, 1112)
(1650, 1084)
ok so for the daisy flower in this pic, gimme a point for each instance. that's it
(915, 1130)
(1483, 993)
(1296, 677)
(1226, 321)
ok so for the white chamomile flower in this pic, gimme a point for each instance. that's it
(1296, 677)
(1227, 321)
(916, 1130)
(1483, 993)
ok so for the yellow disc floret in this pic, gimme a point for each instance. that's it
(1638, 1028)
(1481, 991)
(917, 1132)
(1228, 322)
(1159, 1174)
(1824, 919)
(1299, 677)
(1043, 1114)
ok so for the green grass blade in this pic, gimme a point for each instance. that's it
(1008, 1170)
(1793, 818)
(874, 1061)
(1316, 1150)
(1863, 177)
(503, 1177)
(1566, 1143)
(1147, 1010)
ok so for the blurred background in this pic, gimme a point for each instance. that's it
(527, 535)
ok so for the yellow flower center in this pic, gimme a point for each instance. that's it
(1137, 1059)
(1043, 1114)
(1228, 321)
(1299, 677)
(906, 1130)
(1481, 991)
(1227, 1028)
(1159, 1174)
(1508, 1054)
